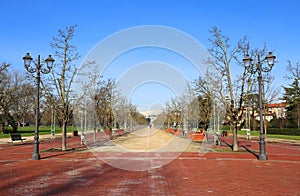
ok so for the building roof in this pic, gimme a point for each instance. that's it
(276, 105)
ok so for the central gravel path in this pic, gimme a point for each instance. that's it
(145, 139)
(142, 149)
(149, 140)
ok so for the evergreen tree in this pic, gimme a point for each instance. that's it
(292, 98)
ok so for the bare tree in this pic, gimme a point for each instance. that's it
(174, 112)
(62, 77)
(293, 70)
(4, 87)
(226, 59)
(104, 100)
(122, 111)
(3, 70)
(189, 107)
(208, 89)
(23, 98)
(8, 97)
(223, 57)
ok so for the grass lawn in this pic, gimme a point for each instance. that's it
(256, 133)
(287, 137)
(29, 131)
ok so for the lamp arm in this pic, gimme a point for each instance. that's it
(30, 69)
(266, 69)
(45, 70)
(254, 69)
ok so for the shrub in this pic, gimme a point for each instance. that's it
(285, 131)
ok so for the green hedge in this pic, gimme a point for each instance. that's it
(284, 131)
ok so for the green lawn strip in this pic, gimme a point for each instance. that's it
(43, 130)
(257, 133)
(286, 137)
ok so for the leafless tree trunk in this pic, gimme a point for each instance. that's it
(62, 78)
(223, 58)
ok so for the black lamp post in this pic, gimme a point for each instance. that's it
(37, 69)
(270, 58)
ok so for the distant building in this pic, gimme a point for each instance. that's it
(152, 115)
(278, 109)
(275, 110)
(268, 117)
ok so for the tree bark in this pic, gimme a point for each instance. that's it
(64, 136)
(235, 146)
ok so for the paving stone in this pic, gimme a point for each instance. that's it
(78, 171)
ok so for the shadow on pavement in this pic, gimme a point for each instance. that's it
(242, 146)
(250, 151)
(55, 155)
(229, 145)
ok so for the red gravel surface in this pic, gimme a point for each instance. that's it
(79, 172)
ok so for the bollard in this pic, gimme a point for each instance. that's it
(217, 139)
(248, 134)
(83, 139)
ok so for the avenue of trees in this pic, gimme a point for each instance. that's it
(16, 98)
(17, 94)
(209, 100)
(226, 97)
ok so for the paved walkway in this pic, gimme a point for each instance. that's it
(80, 171)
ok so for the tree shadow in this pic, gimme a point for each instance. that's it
(59, 152)
(247, 149)
(51, 156)
(250, 151)
(229, 145)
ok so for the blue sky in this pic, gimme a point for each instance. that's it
(28, 26)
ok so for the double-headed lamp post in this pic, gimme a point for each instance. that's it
(270, 59)
(38, 68)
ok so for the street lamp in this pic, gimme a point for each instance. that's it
(270, 58)
(37, 69)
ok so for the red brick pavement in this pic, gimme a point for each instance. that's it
(78, 172)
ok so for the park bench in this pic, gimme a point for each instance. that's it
(16, 137)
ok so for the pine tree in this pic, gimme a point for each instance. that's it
(292, 98)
